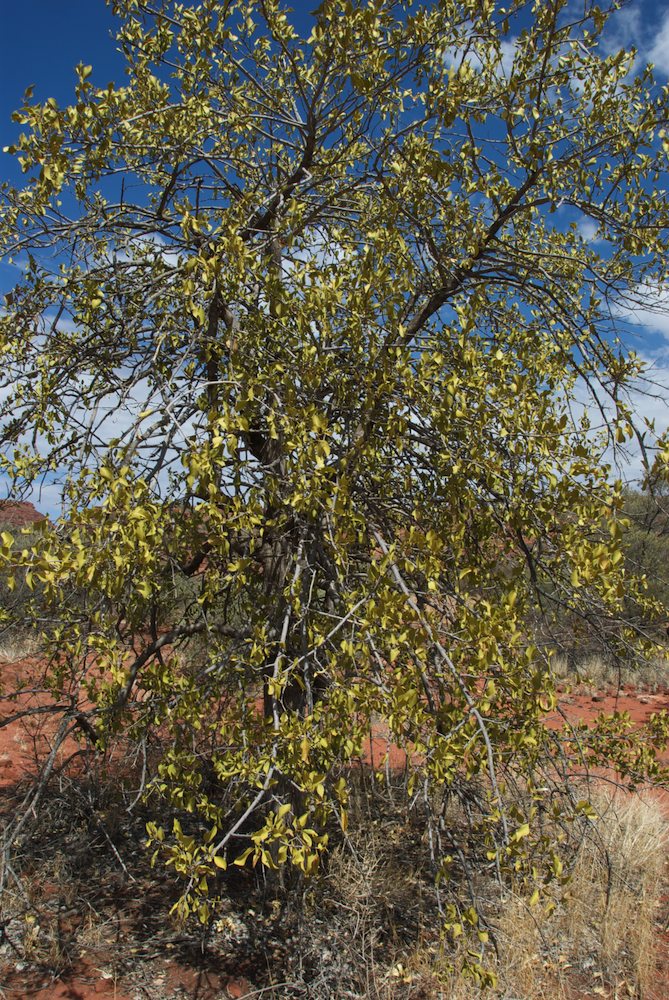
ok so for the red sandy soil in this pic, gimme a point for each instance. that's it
(89, 982)
(23, 744)
(585, 708)
(25, 741)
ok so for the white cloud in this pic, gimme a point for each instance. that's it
(650, 395)
(455, 57)
(508, 52)
(623, 30)
(47, 498)
(659, 50)
(647, 398)
(646, 306)
(647, 32)
(588, 230)
(135, 248)
(130, 414)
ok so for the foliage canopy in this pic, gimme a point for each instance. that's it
(299, 326)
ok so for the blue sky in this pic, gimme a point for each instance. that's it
(41, 41)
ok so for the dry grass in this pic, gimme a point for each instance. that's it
(602, 938)
(369, 929)
(17, 645)
(599, 936)
(595, 674)
(611, 915)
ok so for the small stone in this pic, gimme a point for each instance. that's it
(237, 988)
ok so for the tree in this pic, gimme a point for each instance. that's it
(298, 330)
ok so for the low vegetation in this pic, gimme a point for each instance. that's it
(370, 927)
(600, 675)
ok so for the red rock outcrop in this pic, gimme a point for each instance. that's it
(19, 513)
